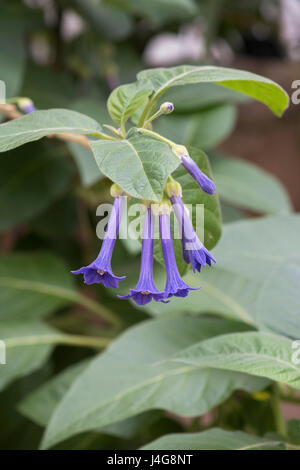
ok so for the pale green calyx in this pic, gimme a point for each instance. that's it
(116, 191)
(173, 188)
(179, 150)
(164, 207)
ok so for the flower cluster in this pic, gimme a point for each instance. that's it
(193, 251)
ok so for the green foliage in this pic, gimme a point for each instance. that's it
(255, 86)
(227, 349)
(259, 354)
(202, 129)
(41, 123)
(243, 184)
(147, 348)
(33, 285)
(140, 164)
(255, 282)
(26, 349)
(126, 99)
(215, 439)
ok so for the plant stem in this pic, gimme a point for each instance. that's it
(278, 418)
(69, 340)
(157, 136)
(147, 110)
(154, 116)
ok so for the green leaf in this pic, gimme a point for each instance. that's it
(40, 404)
(201, 96)
(33, 284)
(36, 125)
(31, 179)
(256, 278)
(126, 99)
(193, 194)
(214, 439)
(256, 86)
(140, 164)
(26, 349)
(231, 214)
(203, 129)
(244, 184)
(261, 354)
(153, 382)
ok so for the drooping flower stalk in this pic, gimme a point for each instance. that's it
(193, 251)
(145, 289)
(175, 286)
(100, 271)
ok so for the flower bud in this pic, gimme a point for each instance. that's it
(167, 108)
(26, 105)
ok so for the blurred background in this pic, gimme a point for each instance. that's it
(72, 54)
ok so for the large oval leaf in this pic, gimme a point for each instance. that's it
(248, 186)
(139, 164)
(38, 124)
(214, 439)
(261, 354)
(105, 393)
(256, 86)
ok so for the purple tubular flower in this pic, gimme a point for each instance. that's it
(99, 271)
(206, 184)
(145, 289)
(174, 284)
(193, 251)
